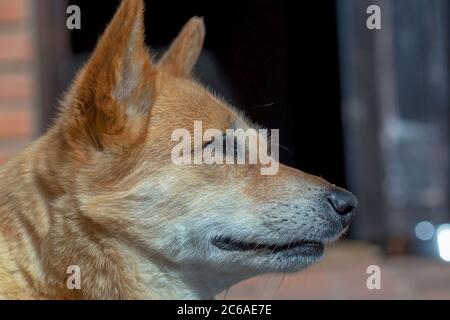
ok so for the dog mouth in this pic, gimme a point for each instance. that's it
(230, 244)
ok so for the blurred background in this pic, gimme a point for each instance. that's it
(365, 109)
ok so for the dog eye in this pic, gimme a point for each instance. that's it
(208, 143)
(224, 145)
(213, 140)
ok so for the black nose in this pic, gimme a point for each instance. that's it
(342, 201)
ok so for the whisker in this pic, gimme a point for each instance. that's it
(227, 291)
(268, 278)
(279, 285)
(271, 104)
(286, 149)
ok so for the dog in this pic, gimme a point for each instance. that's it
(99, 194)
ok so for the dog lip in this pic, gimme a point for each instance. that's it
(230, 244)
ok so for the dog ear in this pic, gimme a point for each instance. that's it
(185, 50)
(110, 100)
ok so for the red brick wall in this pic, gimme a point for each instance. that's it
(17, 77)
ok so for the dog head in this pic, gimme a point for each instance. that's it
(118, 120)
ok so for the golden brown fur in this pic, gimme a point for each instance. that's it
(98, 190)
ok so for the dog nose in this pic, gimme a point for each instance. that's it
(342, 201)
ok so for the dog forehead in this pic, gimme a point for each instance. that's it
(180, 102)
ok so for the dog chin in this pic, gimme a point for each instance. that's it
(293, 260)
(291, 257)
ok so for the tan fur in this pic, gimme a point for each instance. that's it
(98, 190)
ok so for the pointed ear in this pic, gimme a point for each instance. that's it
(184, 52)
(112, 95)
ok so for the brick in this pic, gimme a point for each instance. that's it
(16, 87)
(12, 11)
(15, 124)
(15, 47)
